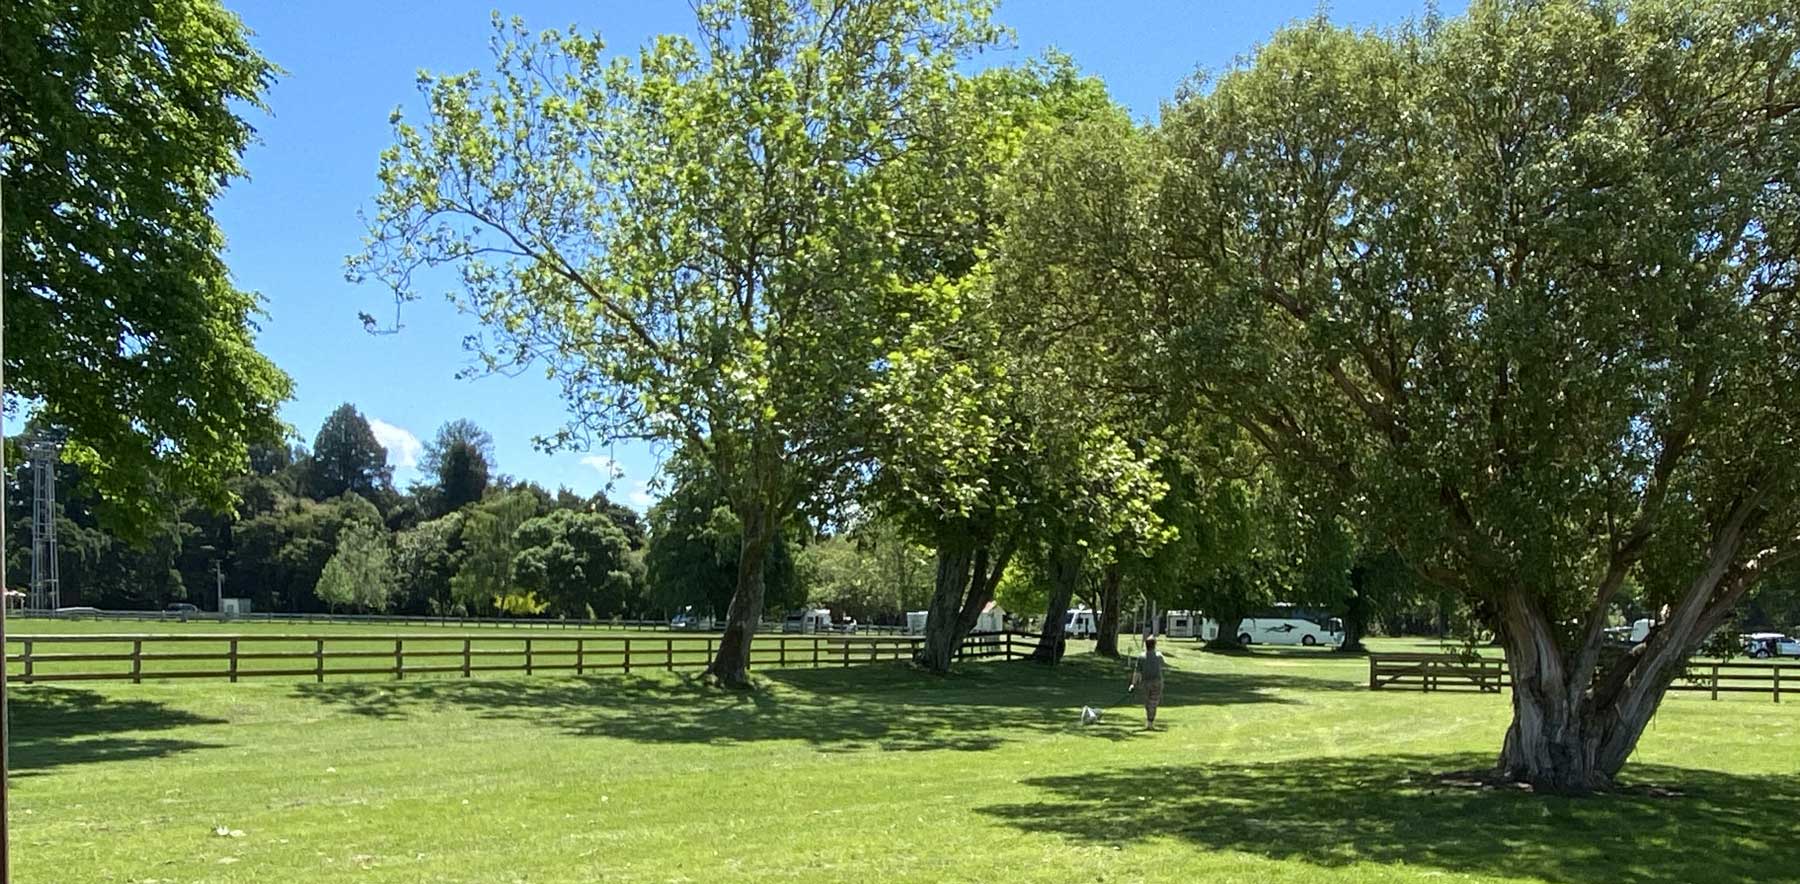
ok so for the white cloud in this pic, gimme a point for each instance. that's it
(641, 497)
(604, 465)
(402, 446)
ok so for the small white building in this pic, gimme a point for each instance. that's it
(992, 619)
(915, 622)
(234, 607)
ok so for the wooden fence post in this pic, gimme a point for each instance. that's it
(781, 648)
(137, 661)
(528, 656)
(628, 655)
(399, 661)
(1373, 685)
(1778, 684)
(319, 660)
(669, 652)
(466, 656)
(1715, 683)
(815, 652)
(580, 656)
(234, 660)
(26, 659)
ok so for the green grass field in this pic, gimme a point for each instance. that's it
(1279, 766)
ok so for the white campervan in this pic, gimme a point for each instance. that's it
(1182, 624)
(1081, 624)
(1282, 626)
(815, 620)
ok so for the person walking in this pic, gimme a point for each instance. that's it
(1147, 673)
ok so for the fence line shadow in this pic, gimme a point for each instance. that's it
(1393, 810)
(889, 707)
(54, 727)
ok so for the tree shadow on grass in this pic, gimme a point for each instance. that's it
(890, 708)
(1393, 810)
(53, 727)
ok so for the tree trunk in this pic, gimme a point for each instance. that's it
(1571, 738)
(1229, 617)
(1065, 572)
(965, 584)
(1107, 620)
(1356, 616)
(731, 664)
(941, 634)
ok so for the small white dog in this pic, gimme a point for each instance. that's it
(1089, 715)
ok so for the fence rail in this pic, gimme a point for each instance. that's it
(1452, 672)
(135, 658)
(410, 620)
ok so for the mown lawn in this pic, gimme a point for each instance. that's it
(1279, 766)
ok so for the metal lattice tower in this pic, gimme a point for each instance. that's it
(44, 453)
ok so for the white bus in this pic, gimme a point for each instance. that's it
(1283, 625)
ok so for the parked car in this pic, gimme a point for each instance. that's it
(688, 619)
(78, 611)
(181, 608)
(1763, 645)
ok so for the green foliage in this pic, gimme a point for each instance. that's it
(578, 562)
(489, 535)
(694, 551)
(459, 458)
(1539, 368)
(347, 458)
(122, 324)
(873, 573)
(426, 559)
(360, 575)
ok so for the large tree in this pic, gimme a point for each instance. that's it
(361, 573)
(579, 563)
(121, 125)
(696, 239)
(347, 458)
(1522, 286)
(459, 458)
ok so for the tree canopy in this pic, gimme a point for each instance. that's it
(123, 327)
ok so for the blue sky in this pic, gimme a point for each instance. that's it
(348, 64)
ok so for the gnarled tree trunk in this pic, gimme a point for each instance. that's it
(1577, 719)
(731, 664)
(1107, 618)
(966, 581)
(1065, 573)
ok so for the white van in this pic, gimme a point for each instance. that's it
(1282, 629)
(1081, 624)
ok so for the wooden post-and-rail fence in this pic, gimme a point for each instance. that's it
(1454, 672)
(33, 659)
